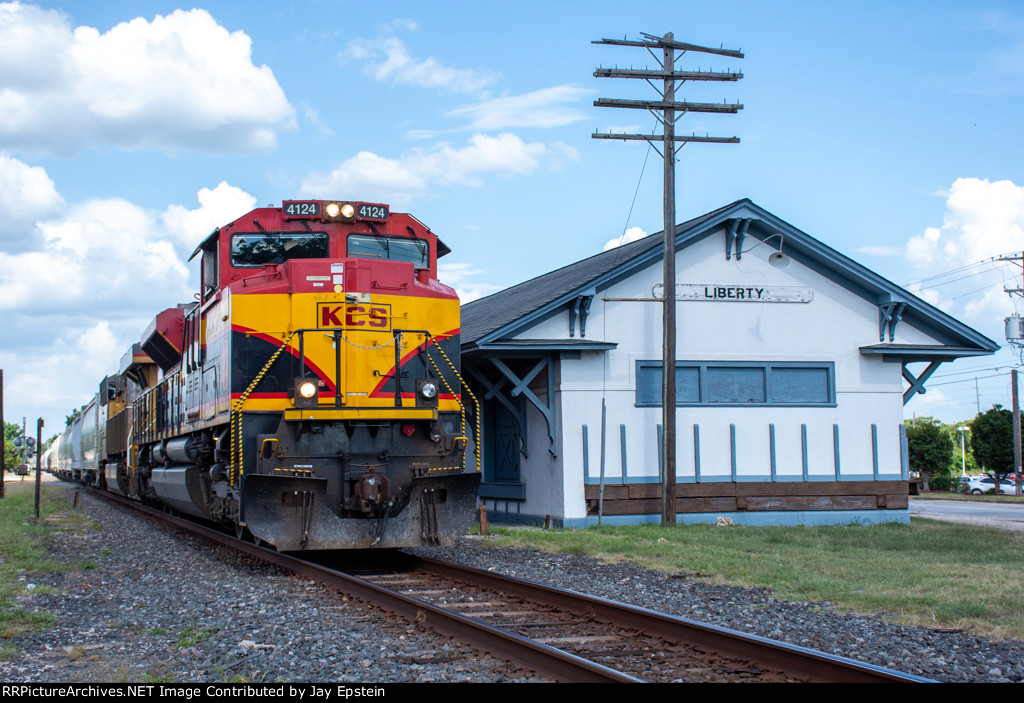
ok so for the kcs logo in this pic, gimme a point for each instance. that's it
(373, 318)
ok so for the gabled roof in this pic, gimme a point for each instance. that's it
(508, 312)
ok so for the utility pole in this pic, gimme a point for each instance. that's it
(1016, 431)
(1014, 337)
(665, 110)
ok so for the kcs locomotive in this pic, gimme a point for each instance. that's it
(309, 398)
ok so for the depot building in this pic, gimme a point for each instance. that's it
(793, 366)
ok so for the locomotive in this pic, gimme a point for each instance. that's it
(310, 398)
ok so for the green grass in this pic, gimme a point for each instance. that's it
(926, 573)
(191, 635)
(23, 543)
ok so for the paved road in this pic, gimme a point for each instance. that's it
(1009, 516)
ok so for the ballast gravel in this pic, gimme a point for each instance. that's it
(161, 605)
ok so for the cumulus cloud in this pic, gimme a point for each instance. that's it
(64, 369)
(26, 194)
(630, 235)
(216, 207)
(178, 81)
(548, 107)
(101, 253)
(112, 259)
(401, 180)
(389, 60)
(982, 219)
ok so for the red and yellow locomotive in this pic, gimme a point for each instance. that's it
(312, 396)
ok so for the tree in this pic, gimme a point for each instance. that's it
(929, 448)
(992, 441)
(963, 463)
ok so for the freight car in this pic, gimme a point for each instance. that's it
(310, 398)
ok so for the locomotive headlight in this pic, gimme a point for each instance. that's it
(339, 212)
(426, 393)
(305, 393)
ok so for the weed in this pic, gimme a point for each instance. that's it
(192, 635)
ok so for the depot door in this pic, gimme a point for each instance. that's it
(501, 445)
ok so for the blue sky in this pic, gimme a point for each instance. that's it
(129, 130)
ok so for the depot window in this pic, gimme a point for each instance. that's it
(365, 246)
(735, 384)
(260, 248)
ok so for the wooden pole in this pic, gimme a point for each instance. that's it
(1016, 432)
(668, 366)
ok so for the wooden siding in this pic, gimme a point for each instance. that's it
(719, 497)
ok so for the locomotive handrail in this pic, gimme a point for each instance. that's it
(236, 411)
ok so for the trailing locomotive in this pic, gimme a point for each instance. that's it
(310, 397)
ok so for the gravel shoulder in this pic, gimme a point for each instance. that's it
(165, 606)
(162, 605)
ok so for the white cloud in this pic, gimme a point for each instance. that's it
(459, 276)
(178, 81)
(26, 194)
(400, 181)
(102, 253)
(111, 258)
(389, 60)
(549, 107)
(77, 358)
(216, 207)
(982, 219)
(630, 235)
(994, 305)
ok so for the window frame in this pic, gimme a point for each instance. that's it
(766, 367)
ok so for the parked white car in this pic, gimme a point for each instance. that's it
(984, 484)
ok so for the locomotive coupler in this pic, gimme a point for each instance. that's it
(371, 491)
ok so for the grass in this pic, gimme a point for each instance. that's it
(927, 573)
(23, 550)
(191, 635)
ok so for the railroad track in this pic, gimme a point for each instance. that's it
(560, 634)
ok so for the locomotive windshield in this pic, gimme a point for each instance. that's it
(365, 246)
(261, 248)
